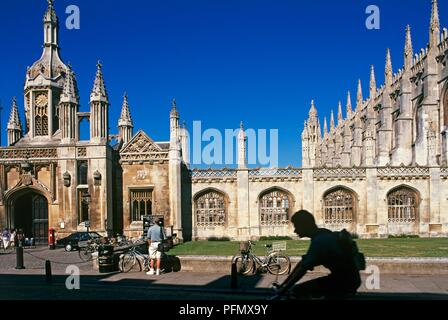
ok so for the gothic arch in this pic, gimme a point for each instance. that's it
(403, 204)
(270, 189)
(275, 206)
(27, 207)
(211, 208)
(340, 206)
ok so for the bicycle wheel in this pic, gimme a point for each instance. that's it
(279, 264)
(128, 262)
(85, 254)
(245, 265)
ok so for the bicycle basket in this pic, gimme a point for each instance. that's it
(244, 247)
(279, 246)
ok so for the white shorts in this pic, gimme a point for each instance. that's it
(152, 251)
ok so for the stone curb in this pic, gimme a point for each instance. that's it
(403, 266)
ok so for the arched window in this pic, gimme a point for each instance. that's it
(339, 207)
(210, 209)
(402, 205)
(274, 208)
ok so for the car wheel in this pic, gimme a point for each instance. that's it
(68, 248)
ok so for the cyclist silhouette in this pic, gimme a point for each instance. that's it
(326, 250)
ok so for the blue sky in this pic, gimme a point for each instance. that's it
(260, 61)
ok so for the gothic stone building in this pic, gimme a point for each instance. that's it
(381, 170)
(50, 178)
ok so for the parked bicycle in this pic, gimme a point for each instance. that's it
(130, 258)
(85, 252)
(275, 261)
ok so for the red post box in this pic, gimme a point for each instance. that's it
(51, 239)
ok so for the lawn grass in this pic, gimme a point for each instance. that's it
(435, 247)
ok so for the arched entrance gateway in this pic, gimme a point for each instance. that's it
(28, 210)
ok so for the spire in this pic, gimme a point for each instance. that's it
(313, 110)
(242, 147)
(325, 127)
(125, 124)
(349, 105)
(174, 113)
(14, 119)
(319, 133)
(388, 71)
(359, 98)
(125, 118)
(14, 125)
(69, 92)
(332, 121)
(242, 133)
(51, 26)
(50, 14)
(99, 92)
(434, 32)
(340, 116)
(372, 82)
(408, 50)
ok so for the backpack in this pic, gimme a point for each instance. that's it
(350, 247)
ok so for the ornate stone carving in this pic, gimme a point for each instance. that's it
(97, 178)
(141, 148)
(27, 180)
(142, 174)
(21, 154)
(403, 172)
(82, 152)
(41, 100)
(444, 173)
(211, 175)
(340, 173)
(284, 174)
(67, 179)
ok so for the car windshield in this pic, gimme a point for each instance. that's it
(94, 235)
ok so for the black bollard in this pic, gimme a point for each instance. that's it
(48, 271)
(234, 276)
(19, 258)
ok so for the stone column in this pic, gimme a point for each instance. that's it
(371, 222)
(175, 195)
(244, 221)
(308, 193)
(435, 186)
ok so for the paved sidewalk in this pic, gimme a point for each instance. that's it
(30, 283)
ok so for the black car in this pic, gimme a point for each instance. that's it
(72, 241)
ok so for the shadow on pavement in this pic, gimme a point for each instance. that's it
(107, 287)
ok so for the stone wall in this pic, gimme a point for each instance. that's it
(145, 176)
(370, 187)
